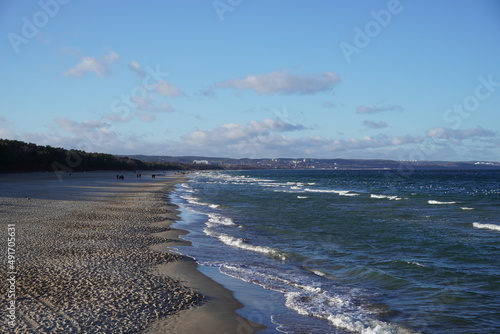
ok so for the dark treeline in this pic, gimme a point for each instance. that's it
(18, 156)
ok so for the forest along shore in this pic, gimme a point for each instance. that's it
(82, 254)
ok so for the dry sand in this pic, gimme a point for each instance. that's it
(91, 256)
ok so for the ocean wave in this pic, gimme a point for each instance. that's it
(217, 219)
(392, 198)
(466, 208)
(311, 300)
(347, 193)
(325, 191)
(290, 191)
(235, 178)
(318, 272)
(239, 242)
(433, 202)
(415, 263)
(363, 324)
(487, 226)
(186, 188)
(196, 201)
(331, 191)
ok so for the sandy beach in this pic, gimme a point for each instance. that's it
(90, 254)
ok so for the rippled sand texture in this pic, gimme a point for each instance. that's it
(83, 260)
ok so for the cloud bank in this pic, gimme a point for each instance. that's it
(282, 82)
(447, 133)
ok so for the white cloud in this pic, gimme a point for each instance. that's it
(92, 65)
(136, 68)
(283, 82)
(228, 134)
(167, 89)
(372, 110)
(78, 127)
(111, 57)
(375, 125)
(447, 133)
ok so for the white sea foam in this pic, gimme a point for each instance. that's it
(363, 324)
(290, 191)
(186, 188)
(331, 191)
(318, 272)
(229, 240)
(466, 208)
(220, 220)
(431, 201)
(392, 198)
(237, 178)
(240, 243)
(312, 300)
(487, 226)
(302, 197)
(415, 263)
(326, 191)
(347, 193)
(195, 200)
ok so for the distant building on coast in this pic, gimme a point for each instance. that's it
(200, 162)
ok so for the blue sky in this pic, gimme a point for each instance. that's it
(403, 80)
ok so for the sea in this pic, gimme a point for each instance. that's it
(351, 251)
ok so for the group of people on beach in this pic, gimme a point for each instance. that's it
(121, 177)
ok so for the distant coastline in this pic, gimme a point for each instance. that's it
(18, 156)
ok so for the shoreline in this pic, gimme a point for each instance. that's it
(217, 313)
(93, 255)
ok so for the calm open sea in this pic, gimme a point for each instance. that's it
(355, 251)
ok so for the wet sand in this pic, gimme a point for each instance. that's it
(92, 255)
